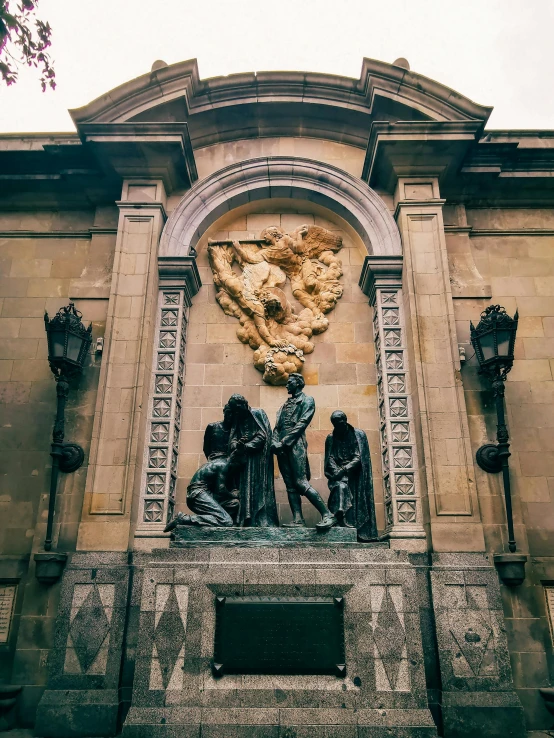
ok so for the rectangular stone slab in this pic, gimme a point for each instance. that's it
(279, 635)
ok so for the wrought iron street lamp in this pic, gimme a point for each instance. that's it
(493, 340)
(68, 345)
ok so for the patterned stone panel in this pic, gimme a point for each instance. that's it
(402, 517)
(477, 687)
(470, 629)
(160, 457)
(160, 668)
(86, 653)
(82, 695)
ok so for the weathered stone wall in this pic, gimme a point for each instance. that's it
(60, 257)
(212, 158)
(517, 260)
(339, 374)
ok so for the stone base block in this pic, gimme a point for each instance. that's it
(469, 714)
(186, 536)
(65, 713)
(275, 723)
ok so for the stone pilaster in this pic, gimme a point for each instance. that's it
(179, 281)
(381, 280)
(118, 432)
(438, 400)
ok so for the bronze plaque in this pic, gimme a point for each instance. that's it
(279, 635)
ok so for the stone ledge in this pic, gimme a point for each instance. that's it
(189, 536)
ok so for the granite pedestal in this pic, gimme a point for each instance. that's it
(175, 692)
(134, 642)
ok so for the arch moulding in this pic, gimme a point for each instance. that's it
(282, 177)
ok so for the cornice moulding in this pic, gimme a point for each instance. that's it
(428, 98)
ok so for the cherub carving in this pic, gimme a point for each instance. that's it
(252, 293)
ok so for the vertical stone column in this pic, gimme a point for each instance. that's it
(114, 470)
(381, 280)
(438, 400)
(179, 280)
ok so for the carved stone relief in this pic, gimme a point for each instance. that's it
(250, 276)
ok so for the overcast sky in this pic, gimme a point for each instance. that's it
(496, 52)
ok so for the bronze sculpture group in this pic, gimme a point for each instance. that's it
(235, 487)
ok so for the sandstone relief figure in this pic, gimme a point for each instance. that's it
(348, 471)
(290, 445)
(279, 336)
(250, 435)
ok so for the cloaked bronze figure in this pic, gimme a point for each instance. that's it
(291, 447)
(348, 472)
(251, 435)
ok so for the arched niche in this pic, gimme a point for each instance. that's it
(281, 177)
(340, 373)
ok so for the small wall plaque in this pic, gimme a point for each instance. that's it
(279, 635)
(7, 601)
(549, 594)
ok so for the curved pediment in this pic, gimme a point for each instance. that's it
(279, 103)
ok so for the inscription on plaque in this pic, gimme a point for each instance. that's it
(279, 635)
(7, 599)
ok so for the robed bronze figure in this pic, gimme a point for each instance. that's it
(348, 471)
(251, 433)
(291, 447)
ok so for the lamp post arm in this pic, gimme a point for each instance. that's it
(62, 391)
(503, 454)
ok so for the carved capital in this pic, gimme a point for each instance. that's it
(380, 271)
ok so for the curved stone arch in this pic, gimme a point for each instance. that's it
(283, 177)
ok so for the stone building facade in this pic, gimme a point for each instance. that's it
(439, 218)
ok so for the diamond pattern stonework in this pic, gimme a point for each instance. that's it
(162, 408)
(166, 362)
(89, 629)
(390, 317)
(155, 484)
(158, 458)
(405, 484)
(169, 637)
(159, 433)
(398, 407)
(472, 636)
(390, 638)
(153, 510)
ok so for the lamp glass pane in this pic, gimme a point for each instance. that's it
(74, 347)
(503, 338)
(487, 345)
(57, 343)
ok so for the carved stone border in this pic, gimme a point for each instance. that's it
(179, 281)
(381, 280)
